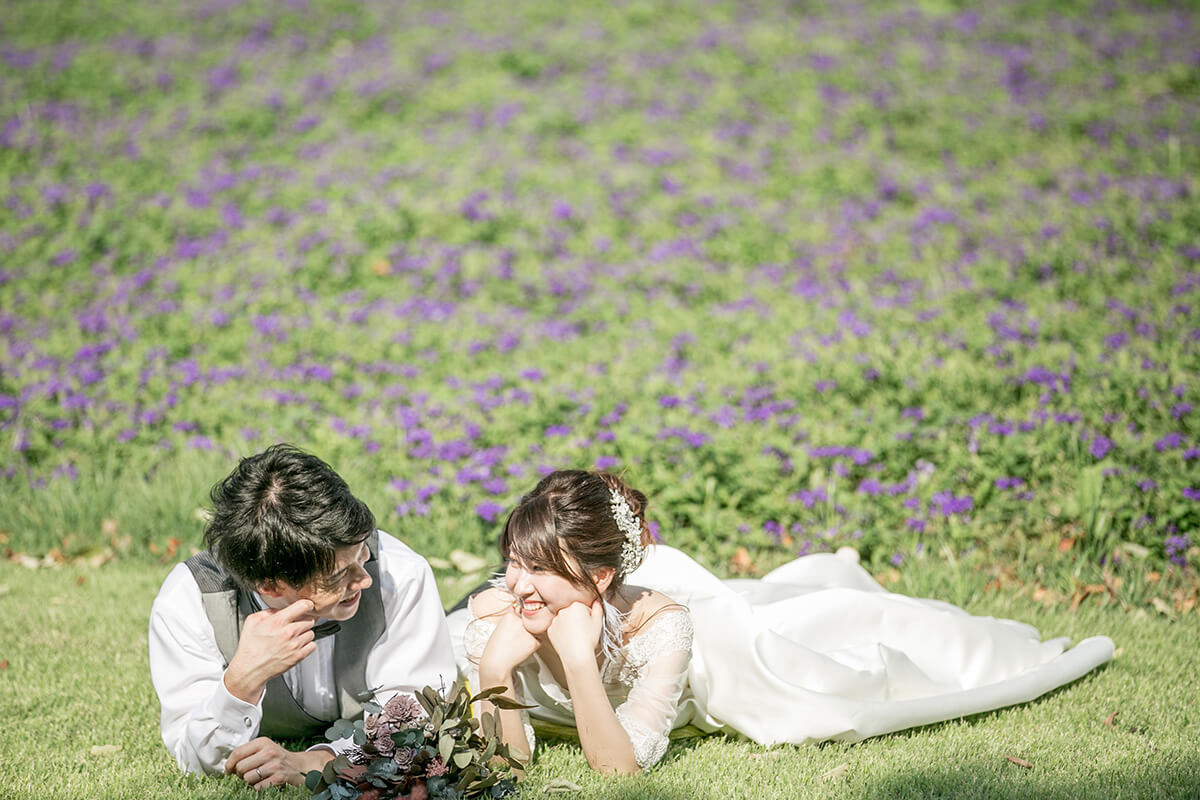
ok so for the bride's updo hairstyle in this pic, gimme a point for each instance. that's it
(566, 526)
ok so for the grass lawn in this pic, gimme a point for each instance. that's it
(73, 640)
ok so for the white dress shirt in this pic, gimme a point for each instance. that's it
(202, 722)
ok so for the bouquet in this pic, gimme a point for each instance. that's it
(427, 748)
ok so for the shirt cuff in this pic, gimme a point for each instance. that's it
(235, 714)
(337, 747)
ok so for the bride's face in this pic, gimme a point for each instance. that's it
(540, 594)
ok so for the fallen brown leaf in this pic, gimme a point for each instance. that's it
(1064, 545)
(1083, 592)
(3, 664)
(1109, 719)
(741, 560)
(1161, 607)
(837, 772)
(1020, 762)
(80, 580)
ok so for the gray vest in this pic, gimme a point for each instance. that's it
(227, 607)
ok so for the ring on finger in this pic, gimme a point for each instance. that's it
(258, 774)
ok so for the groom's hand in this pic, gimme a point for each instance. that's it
(272, 642)
(262, 763)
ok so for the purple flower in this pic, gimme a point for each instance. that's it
(607, 462)
(63, 258)
(915, 524)
(947, 504)
(1169, 442)
(489, 511)
(1101, 446)
(1175, 548)
(557, 430)
(1191, 493)
(810, 497)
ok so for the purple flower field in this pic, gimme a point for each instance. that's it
(899, 275)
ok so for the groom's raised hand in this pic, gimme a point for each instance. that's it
(272, 642)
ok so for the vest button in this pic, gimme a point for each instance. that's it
(249, 722)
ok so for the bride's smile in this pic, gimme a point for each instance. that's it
(539, 594)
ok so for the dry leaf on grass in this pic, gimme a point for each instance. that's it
(1020, 762)
(741, 561)
(837, 772)
(561, 786)
(1109, 719)
(467, 563)
(105, 749)
(3, 664)
(1161, 607)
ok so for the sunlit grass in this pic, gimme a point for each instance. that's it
(77, 677)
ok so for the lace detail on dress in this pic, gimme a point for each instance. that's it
(670, 631)
(648, 746)
(653, 668)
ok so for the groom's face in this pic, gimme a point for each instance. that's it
(337, 595)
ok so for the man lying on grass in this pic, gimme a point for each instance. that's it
(298, 611)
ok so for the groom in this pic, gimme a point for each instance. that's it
(298, 611)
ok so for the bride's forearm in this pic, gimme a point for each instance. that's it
(605, 743)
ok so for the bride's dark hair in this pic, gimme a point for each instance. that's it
(566, 526)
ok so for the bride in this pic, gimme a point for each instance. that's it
(596, 628)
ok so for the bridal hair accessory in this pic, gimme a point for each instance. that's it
(633, 551)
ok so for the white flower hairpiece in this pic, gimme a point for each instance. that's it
(633, 551)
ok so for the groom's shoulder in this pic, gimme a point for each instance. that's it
(400, 559)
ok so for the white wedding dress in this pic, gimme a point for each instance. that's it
(815, 650)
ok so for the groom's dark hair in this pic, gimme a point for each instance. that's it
(282, 515)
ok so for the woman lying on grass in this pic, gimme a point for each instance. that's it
(594, 627)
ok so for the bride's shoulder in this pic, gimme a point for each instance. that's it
(490, 602)
(650, 606)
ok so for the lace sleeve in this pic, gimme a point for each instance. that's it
(656, 671)
(475, 639)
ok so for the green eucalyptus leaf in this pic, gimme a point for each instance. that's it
(341, 729)
(445, 747)
(507, 703)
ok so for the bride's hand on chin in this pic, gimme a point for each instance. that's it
(508, 646)
(575, 632)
